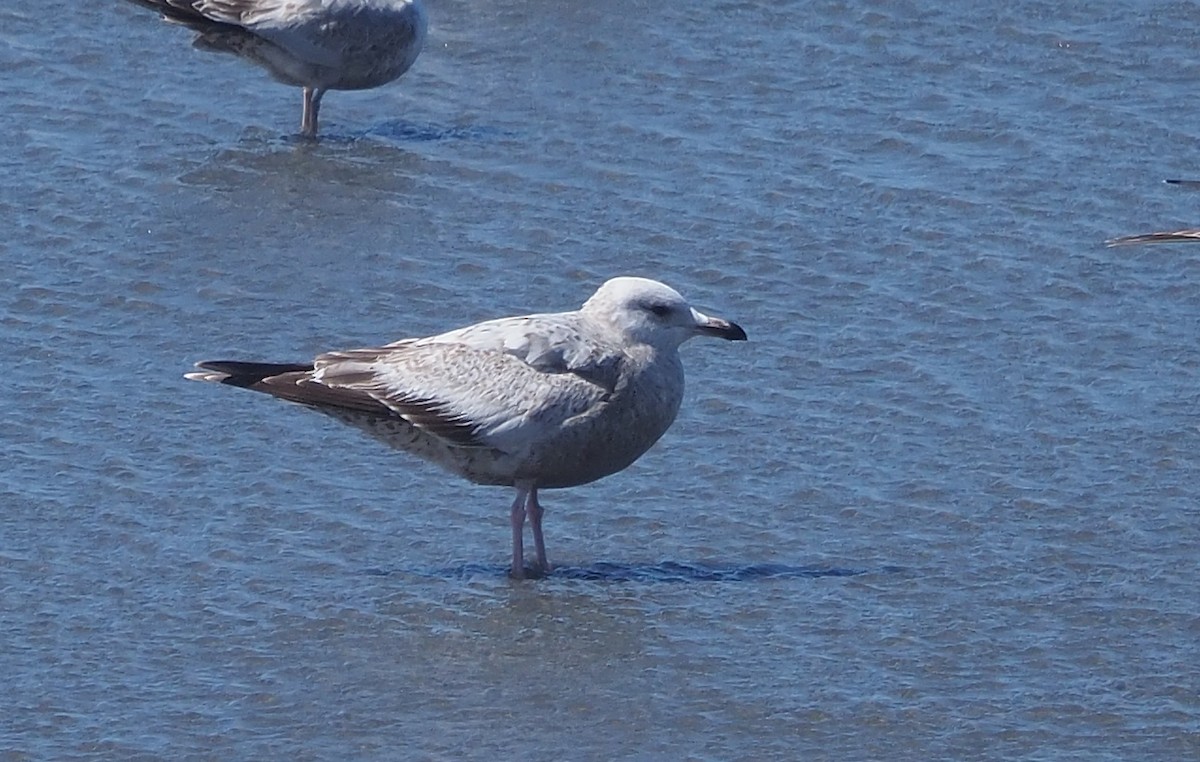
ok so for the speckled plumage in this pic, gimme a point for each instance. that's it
(535, 402)
(317, 45)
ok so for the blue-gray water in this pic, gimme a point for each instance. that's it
(944, 505)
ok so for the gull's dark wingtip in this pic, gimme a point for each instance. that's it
(1176, 236)
(243, 374)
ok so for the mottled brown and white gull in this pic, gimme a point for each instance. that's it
(317, 45)
(535, 402)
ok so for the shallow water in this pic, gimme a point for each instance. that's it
(943, 505)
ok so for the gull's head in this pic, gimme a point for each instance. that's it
(650, 312)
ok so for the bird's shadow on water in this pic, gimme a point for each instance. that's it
(675, 572)
(401, 132)
(412, 132)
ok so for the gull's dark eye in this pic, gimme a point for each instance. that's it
(659, 310)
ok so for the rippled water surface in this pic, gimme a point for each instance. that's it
(943, 505)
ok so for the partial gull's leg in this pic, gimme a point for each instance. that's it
(308, 120)
(312, 106)
(517, 515)
(535, 511)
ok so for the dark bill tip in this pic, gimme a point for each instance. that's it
(723, 329)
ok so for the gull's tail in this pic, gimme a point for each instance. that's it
(178, 11)
(247, 375)
(287, 381)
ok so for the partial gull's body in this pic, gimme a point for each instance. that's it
(1176, 236)
(534, 402)
(318, 45)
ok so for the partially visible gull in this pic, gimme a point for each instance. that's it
(318, 45)
(1177, 236)
(535, 402)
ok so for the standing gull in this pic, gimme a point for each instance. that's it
(534, 402)
(318, 45)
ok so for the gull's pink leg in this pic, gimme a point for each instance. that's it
(535, 511)
(312, 106)
(517, 515)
